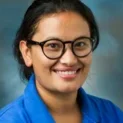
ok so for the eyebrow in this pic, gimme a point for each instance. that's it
(57, 38)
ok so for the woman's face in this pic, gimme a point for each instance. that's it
(69, 72)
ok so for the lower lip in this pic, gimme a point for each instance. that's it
(68, 77)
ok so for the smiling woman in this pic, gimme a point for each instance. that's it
(54, 47)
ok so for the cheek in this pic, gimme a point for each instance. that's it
(40, 62)
(86, 61)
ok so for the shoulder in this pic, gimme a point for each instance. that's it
(107, 109)
(14, 112)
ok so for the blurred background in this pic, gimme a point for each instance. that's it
(106, 76)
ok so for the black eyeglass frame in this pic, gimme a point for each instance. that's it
(41, 44)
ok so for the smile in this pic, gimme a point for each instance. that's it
(68, 74)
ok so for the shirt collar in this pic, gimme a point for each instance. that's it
(34, 105)
(88, 108)
(38, 111)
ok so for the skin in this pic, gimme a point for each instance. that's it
(53, 88)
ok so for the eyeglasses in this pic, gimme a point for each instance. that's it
(55, 48)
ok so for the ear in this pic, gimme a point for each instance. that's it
(26, 53)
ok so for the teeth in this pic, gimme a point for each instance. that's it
(66, 72)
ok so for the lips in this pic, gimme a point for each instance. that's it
(67, 73)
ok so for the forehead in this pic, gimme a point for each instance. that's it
(64, 25)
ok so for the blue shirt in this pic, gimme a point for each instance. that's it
(30, 108)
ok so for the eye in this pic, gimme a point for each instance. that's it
(53, 45)
(79, 44)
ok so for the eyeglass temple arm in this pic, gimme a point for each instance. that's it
(34, 42)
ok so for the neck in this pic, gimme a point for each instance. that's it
(60, 103)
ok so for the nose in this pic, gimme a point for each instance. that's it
(68, 58)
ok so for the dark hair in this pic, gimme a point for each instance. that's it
(40, 8)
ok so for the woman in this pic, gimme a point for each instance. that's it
(54, 46)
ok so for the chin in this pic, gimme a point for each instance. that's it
(68, 89)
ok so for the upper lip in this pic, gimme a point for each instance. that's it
(66, 69)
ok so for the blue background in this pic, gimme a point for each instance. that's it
(106, 76)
